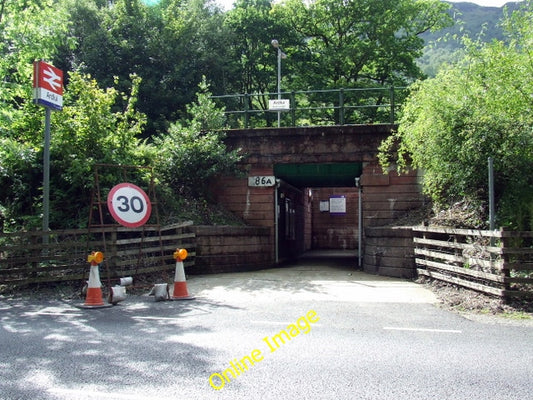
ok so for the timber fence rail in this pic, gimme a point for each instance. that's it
(24, 258)
(498, 263)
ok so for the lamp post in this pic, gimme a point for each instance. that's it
(281, 55)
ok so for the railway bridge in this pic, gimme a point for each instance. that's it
(316, 188)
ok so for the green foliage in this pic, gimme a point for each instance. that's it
(18, 181)
(132, 60)
(478, 108)
(170, 46)
(482, 23)
(86, 132)
(193, 152)
(254, 25)
(29, 30)
(362, 42)
(89, 131)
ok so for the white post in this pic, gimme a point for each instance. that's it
(281, 55)
(279, 84)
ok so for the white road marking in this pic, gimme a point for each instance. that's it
(279, 323)
(86, 394)
(158, 318)
(393, 328)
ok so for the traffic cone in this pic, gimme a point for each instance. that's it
(94, 297)
(180, 285)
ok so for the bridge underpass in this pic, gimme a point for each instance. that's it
(310, 217)
(315, 205)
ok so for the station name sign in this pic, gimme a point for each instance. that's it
(47, 85)
(279, 105)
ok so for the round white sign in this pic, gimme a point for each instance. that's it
(129, 205)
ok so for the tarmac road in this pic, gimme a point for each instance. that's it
(349, 336)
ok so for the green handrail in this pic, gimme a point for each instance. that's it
(344, 106)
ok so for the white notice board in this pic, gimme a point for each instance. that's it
(337, 205)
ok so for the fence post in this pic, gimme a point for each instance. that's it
(341, 106)
(246, 110)
(114, 249)
(37, 253)
(293, 108)
(392, 116)
(505, 271)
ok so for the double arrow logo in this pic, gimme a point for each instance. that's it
(47, 85)
(53, 79)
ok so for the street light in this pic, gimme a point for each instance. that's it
(281, 55)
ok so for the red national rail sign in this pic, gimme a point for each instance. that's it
(47, 85)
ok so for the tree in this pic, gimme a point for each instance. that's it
(254, 26)
(193, 152)
(29, 30)
(114, 39)
(362, 41)
(475, 109)
(193, 43)
(87, 131)
(169, 45)
(91, 130)
(360, 44)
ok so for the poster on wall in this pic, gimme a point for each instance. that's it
(337, 205)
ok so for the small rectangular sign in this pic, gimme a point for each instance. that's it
(337, 205)
(261, 181)
(279, 105)
(47, 85)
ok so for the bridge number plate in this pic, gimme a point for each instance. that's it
(261, 181)
(129, 205)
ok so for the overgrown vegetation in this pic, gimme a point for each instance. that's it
(192, 152)
(477, 108)
(132, 97)
(132, 72)
(481, 23)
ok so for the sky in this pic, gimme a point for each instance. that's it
(227, 4)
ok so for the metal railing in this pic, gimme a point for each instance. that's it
(314, 107)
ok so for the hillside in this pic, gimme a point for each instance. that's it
(470, 19)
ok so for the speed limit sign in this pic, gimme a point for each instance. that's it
(129, 205)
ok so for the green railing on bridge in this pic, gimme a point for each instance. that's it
(314, 107)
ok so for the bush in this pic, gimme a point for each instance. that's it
(475, 109)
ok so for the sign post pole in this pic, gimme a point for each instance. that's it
(46, 175)
(47, 92)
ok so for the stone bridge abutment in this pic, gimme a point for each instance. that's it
(314, 204)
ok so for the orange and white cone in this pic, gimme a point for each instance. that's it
(180, 284)
(94, 297)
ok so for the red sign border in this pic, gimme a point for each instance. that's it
(40, 86)
(38, 77)
(116, 216)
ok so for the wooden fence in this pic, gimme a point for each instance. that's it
(498, 263)
(25, 258)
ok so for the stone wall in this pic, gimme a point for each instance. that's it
(389, 251)
(331, 231)
(387, 197)
(231, 249)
